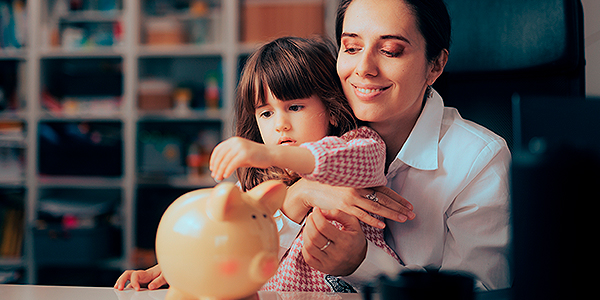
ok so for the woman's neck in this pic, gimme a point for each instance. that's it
(395, 132)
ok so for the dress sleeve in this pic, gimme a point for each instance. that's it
(356, 159)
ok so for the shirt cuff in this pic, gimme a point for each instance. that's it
(288, 231)
(376, 262)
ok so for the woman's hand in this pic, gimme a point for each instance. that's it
(152, 276)
(306, 194)
(330, 250)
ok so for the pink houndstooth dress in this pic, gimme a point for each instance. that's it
(356, 159)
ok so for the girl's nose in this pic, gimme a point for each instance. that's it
(366, 65)
(282, 124)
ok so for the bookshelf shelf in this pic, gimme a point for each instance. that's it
(181, 50)
(118, 153)
(13, 54)
(83, 52)
(80, 117)
(11, 262)
(91, 16)
(79, 182)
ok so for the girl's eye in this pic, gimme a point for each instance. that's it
(295, 107)
(265, 114)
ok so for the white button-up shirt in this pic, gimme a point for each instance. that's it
(455, 173)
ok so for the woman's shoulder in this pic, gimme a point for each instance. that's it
(454, 126)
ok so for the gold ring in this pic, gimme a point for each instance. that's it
(326, 245)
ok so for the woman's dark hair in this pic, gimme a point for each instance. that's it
(432, 18)
(291, 68)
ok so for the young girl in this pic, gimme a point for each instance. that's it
(291, 111)
(290, 95)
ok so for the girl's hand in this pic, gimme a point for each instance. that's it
(238, 152)
(152, 276)
(306, 194)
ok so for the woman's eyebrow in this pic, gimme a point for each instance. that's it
(395, 37)
(383, 37)
(352, 35)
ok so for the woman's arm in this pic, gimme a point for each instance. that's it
(305, 194)
(479, 223)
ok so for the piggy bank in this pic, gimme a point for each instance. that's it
(220, 243)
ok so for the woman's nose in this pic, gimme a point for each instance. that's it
(366, 65)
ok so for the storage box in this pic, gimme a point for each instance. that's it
(155, 94)
(263, 20)
(164, 31)
(55, 246)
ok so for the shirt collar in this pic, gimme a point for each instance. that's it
(420, 150)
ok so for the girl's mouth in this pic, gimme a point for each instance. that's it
(286, 141)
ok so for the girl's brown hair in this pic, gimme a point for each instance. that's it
(291, 68)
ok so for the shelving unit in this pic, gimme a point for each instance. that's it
(53, 97)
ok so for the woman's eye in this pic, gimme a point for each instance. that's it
(391, 52)
(352, 50)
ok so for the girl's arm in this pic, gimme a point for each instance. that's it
(355, 160)
(237, 152)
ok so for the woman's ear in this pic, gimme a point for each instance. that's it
(437, 67)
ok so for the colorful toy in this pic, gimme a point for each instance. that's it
(220, 243)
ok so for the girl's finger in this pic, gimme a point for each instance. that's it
(157, 283)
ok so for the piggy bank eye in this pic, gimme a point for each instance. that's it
(264, 216)
(253, 216)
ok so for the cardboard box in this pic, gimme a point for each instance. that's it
(155, 94)
(263, 20)
(164, 31)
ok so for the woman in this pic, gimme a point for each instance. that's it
(453, 172)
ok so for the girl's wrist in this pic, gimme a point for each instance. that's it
(296, 206)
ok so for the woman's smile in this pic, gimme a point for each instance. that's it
(366, 92)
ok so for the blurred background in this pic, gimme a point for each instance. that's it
(109, 110)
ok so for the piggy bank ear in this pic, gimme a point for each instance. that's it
(223, 200)
(270, 194)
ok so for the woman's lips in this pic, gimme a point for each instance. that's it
(368, 92)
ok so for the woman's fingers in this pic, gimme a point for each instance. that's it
(347, 248)
(395, 197)
(386, 203)
(365, 217)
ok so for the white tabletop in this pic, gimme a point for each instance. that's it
(40, 292)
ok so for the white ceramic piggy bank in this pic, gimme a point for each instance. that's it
(220, 243)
